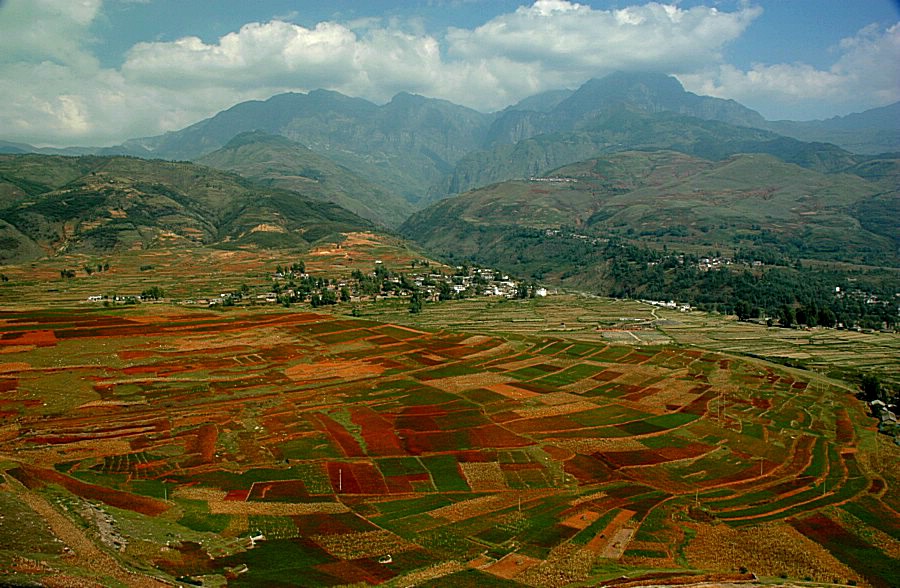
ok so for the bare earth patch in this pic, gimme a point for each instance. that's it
(469, 382)
(278, 509)
(511, 565)
(346, 370)
(512, 392)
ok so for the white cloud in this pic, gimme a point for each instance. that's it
(55, 91)
(54, 30)
(270, 54)
(583, 42)
(864, 75)
(549, 44)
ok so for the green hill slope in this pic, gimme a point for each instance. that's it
(752, 205)
(51, 204)
(278, 162)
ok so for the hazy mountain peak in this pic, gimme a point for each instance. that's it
(543, 102)
(653, 92)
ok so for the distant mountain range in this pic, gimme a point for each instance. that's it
(870, 132)
(312, 165)
(53, 204)
(415, 150)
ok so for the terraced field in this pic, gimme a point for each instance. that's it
(367, 451)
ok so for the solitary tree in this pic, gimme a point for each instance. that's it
(416, 302)
(871, 387)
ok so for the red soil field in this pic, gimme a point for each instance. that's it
(511, 565)
(412, 423)
(331, 524)
(843, 428)
(36, 338)
(185, 557)
(476, 456)
(425, 359)
(369, 478)
(342, 479)
(348, 445)
(206, 441)
(116, 498)
(543, 424)
(495, 436)
(398, 484)
(377, 432)
(237, 495)
(516, 467)
(791, 487)
(277, 424)
(761, 403)
(588, 470)
(14, 366)
(619, 459)
(686, 452)
(822, 529)
(418, 442)
(354, 572)
(535, 387)
(557, 453)
(699, 405)
(425, 410)
(284, 490)
(607, 376)
(356, 478)
(635, 358)
(383, 341)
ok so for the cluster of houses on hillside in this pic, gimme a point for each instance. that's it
(289, 286)
(553, 180)
(469, 282)
(887, 418)
(681, 306)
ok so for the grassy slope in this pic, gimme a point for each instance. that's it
(281, 163)
(676, 200)
(55, 204)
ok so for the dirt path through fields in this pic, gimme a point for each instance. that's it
(87, 555)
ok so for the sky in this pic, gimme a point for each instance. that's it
(99, 72)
